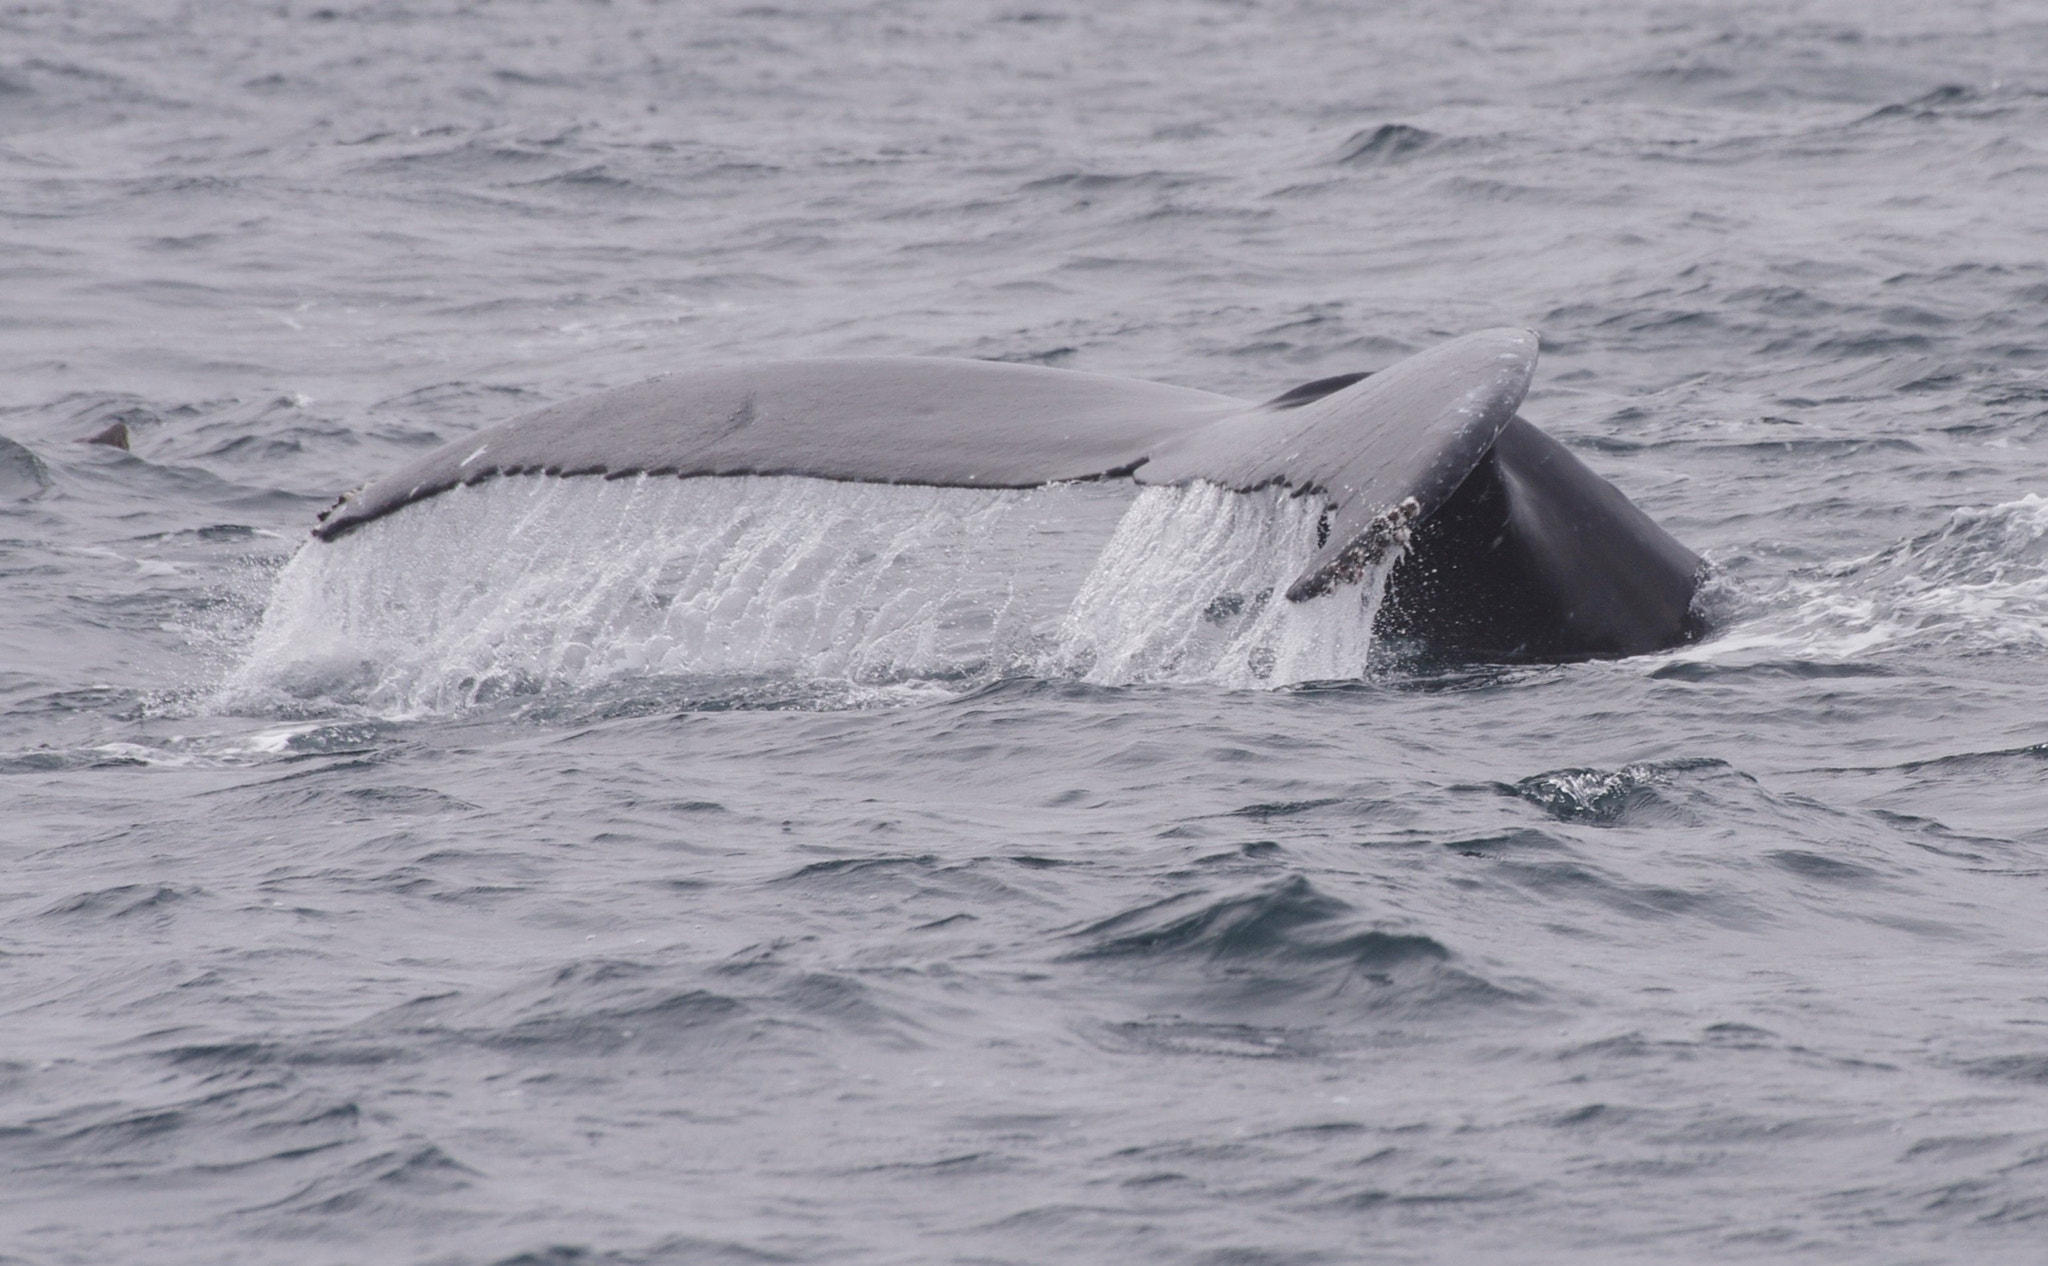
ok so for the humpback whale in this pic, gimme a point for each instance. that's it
(1511, 548)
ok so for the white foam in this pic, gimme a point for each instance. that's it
(1978, 584)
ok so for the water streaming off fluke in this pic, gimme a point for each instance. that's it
(527, 583)
(1191, 589)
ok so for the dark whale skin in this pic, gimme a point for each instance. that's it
(1536, 558)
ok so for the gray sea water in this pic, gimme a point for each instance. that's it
(770, 870)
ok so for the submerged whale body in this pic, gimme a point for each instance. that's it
(1512, 549)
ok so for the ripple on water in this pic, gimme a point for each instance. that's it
(1277, 948)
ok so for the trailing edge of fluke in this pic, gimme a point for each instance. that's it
(1513, 549)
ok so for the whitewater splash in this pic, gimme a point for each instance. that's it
(1976, 585)
(527, 583)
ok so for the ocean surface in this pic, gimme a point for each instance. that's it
(768, 870)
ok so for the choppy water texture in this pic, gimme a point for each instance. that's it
(764, 870)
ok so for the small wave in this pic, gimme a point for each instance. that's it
(1260, 954)
(1606, 797)
(22, 474)
(1387, 143)
(603, 1006)
(1560, 884)
(52, 89)
(1102, 182)
(389, 1184)
(2030, 1068)
(477, 156)
(1954, 101)
(1471, 189)
(152, 903)
(1289, 920)
(1193, 1037)
(595, 180)
(1808, 865)
(580, 1009)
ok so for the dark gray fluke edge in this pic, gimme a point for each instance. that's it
(1514, 549)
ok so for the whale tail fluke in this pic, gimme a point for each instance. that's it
(1514, 549)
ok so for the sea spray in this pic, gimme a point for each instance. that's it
(1976, 584)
